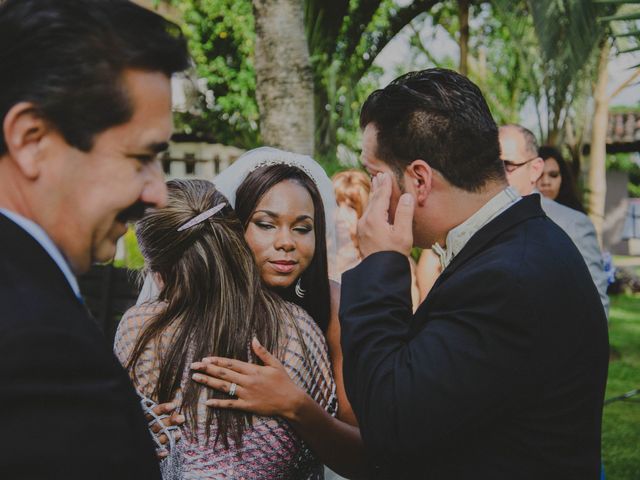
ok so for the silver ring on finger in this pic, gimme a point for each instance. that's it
(232, 390)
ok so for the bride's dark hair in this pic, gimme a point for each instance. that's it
(215, 301)
(315, 279)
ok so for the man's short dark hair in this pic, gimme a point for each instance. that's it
(67, 57)
(441, 117)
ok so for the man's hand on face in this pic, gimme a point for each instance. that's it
(375, 233)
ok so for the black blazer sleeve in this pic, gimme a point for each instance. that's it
(415, 388)
(70, 411)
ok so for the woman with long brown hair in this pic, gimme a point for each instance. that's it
(211, 300)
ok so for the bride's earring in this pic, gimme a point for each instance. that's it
(299, 290)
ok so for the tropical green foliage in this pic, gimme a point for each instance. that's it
(133, 259)
(500, 64)
(221, 40)
(344, 37)
(507, 62)
(633, 186)
(625, 21)
(498, 46)
(561, 51)
(520, 52)
(624, 162)
(627, 162)
(568, 30)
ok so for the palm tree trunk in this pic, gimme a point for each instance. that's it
(598, 152)
(284, 80)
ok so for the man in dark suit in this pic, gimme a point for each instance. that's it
(500, 373)
(85, 102)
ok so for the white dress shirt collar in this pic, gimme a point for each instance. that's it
(458, 237)
(45, 241)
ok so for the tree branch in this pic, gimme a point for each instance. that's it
(625, 84)
(324, 20)
(396, 23)
(359, 20)
(422, 48)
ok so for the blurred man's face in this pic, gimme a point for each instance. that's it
(98, 192)
(522, 169)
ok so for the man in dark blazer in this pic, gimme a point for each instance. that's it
(500, 373)
(85, 105)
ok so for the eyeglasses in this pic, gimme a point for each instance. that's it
(511, 166)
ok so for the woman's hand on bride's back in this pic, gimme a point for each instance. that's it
(261, 389)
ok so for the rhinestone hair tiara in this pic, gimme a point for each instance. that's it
(269, 163)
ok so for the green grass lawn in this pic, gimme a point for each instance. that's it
(621, 423)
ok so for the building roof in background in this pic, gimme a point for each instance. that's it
(623, 128)
(623, 133)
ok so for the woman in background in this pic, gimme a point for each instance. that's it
(211, 301)
(352, 189)
(556, 181)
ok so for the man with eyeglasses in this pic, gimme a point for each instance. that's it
(519, 154)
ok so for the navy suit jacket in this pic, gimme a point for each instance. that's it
(70, 411)
(499, 374)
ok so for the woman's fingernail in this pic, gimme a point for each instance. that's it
(211, 403)
(196, 365)
(180, 419)
(197, 377)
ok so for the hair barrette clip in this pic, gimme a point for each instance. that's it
(202, 217)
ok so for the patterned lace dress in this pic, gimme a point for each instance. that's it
(270, 448)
